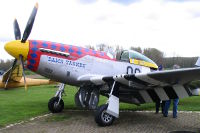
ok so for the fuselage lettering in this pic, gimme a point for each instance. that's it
(137, 70)
(56, 60)
(130, 70)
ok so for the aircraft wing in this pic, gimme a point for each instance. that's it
(157, 78)
(167, 77)
(153, 86)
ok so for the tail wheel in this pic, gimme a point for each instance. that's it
(54, 106)
(102, 118)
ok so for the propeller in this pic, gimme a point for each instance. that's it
(22, 63)
(14, 63)
(17, 31)
(29, 24)
(25, 36)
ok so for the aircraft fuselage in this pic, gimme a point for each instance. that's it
(50, 60)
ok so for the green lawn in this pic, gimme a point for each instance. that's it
(17, 104)
(28, 72)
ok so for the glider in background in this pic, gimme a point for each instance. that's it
(15, 79)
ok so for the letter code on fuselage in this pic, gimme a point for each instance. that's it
(56, 60)
(131, 70)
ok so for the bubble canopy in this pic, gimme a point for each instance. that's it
(126, 55)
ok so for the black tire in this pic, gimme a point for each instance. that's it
(53, 107)
(93, 101)
(77, 101)
(102, 118)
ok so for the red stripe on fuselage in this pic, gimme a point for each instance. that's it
(74, 51)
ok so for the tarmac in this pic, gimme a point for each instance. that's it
(129, 122)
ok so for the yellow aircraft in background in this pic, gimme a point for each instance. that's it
(15, 79)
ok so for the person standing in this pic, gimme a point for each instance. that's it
(158, 104)
(175, 102)
(175, 107)
(163, 106)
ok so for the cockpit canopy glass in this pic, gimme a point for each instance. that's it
(126, 55)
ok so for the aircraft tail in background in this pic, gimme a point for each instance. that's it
(15, 79)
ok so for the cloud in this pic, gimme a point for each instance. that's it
(6, 39)
(4, 54)
(87, 1)
(125, 2)
(182, 1)
(168, 26)
(195, 14)
(102, 18)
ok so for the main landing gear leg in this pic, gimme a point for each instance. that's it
(56, 103)
(106, 113)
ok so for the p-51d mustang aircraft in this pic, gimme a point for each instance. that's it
(130, 77)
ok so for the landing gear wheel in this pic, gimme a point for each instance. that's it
(77, 101)
(87, 98)
(94, 100)
(102, 118)
(54, 106)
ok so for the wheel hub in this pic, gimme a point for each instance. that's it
(106, 117)
(56, 105)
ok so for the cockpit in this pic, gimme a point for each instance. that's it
(137, 58)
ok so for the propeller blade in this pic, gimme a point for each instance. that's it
(14, 63)
(22, 63)
(17, 31)
(29, 25)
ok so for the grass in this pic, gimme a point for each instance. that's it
(28, 72)
(17, 104)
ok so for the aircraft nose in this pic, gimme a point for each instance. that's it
(16, 48)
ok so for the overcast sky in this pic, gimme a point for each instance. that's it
(172, 26)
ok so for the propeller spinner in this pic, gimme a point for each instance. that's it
(19, 48)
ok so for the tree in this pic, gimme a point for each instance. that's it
(154, 54)
(90, 47)
(183, 62)
(5, 65)
(102, 47)
(138, 49)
